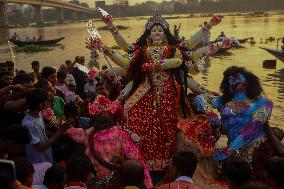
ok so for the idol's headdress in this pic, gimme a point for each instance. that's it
(157, 19)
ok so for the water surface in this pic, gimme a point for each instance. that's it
(250, 57)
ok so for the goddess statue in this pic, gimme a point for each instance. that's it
(158, 67)
(244, 114)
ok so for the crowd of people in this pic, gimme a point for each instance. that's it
(78, 128)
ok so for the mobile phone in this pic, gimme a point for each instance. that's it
(7, 171)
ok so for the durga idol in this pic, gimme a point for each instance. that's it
(157, 67)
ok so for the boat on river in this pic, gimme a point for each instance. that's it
(40, 43)
(244, 40)
(275, 52)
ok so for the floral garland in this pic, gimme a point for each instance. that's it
(92, 74)
(104, 105)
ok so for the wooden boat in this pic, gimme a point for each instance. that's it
(244, 40)
(43, 43)
(269, 64)
(275, 52)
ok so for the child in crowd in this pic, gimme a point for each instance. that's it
(39, 150)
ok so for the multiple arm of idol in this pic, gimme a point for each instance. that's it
(185, 53)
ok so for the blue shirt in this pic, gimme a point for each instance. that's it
(36, 130)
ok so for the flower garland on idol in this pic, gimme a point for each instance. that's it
(103, 105)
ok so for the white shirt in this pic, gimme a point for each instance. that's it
(184, 178)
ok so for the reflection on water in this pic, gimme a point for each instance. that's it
(277, 81)
(241, 27)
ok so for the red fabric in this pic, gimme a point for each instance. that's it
(157, 127)
(158, 130)
(199, 132)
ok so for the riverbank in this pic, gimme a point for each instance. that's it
(248, 14)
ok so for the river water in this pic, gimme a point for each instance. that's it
(241, 26)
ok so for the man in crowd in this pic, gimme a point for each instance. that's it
(54, 178)
(7, 78)
(78, 173)
(132, 174)
(39, 149)
(13, 104)
(11, 66)
(36, 67)
(237, 172)
(184, 165)
(275, 172)
(13, 141)
(3, 67)
(49, 74)
(79, 76)
(24, 171)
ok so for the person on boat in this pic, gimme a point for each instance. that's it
(244, 113)
(34, 39)
(222, 34)
(15, 37)
(107, 144)
(40, 38)
(157, 68)
(221, 37)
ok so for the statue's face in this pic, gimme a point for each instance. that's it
(157, 33)
(237, 82)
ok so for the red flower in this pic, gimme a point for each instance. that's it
(47, 114)
(92, 74)
(92, 109)
(104, 105)
(102, 100)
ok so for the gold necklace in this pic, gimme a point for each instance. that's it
(238, 106)
(156, 53)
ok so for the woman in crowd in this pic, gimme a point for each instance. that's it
(107, 144)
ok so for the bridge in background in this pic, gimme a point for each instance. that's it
(38, 4)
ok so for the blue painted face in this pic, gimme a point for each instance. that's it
(237, 82)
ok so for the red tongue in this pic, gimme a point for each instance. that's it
(239, 86)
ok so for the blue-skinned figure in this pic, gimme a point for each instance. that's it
(243, 113)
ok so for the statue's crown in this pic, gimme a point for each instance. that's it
(157, 19)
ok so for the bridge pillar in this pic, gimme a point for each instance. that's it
(60, 16)
(38, 14)
(3, 14)
(74, 15)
